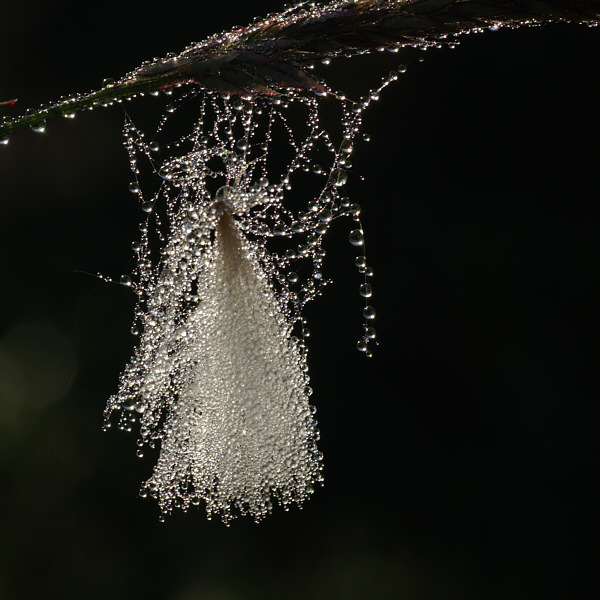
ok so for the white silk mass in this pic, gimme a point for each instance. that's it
(240, 433)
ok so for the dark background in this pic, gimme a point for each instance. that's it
(460, 461)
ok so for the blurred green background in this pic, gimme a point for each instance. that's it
(460, 461)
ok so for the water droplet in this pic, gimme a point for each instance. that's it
(153, 147)
(360, 261)
(338, 177)
(39, 127)
(346, 147)
(134, 188)
(362, 345)
(325, 215)
(69, 115)
(148, 206)
(292, 277)
(224, 193)
(279, 229)
(165, 172)
(370, 332)
(356, 237)
(3, 141)
(369, 312)
(366, 291)
(126, 280)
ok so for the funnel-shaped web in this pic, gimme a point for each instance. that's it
(219, 380)
(241, 431)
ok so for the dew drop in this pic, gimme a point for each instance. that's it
(148, 206)
(366, 291)
(338, 177)
(134, 188)
(126, 280)
(39, 127)
(224, 193)
(165, 172)
(356, 237)
(361, 345)
(346, 147)
(325, 215)
(369, 312)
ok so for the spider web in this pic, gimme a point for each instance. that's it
(230, 252)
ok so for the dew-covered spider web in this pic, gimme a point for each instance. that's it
(230, 251)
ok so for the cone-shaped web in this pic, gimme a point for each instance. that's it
(241, 433)
(219, 381)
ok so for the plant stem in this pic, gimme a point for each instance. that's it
(274, 53)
